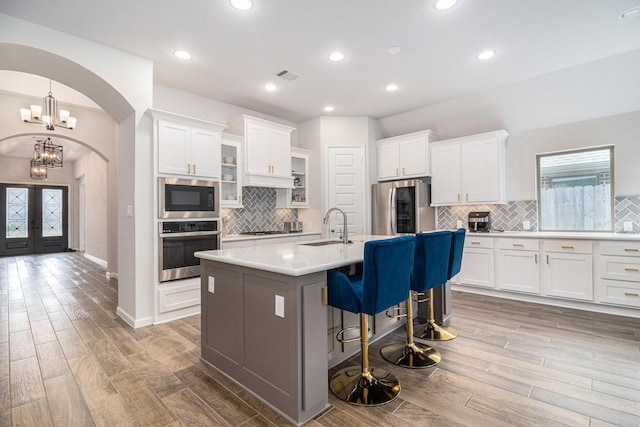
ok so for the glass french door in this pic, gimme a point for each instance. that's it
(34, 218)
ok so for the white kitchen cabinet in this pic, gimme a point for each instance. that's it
(568, 269)
(518, 265)
(296, 197)
(267, 152)
(231, 174)
(619, 274)
(477, 262)
(186, 146)
(404, 156)
(469, 170)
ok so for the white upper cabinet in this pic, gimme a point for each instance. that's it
(267, 151)
(231, 178)
(187, 146)
(296, 197)
(404, 156)
(469, 170)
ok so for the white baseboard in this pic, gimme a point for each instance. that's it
(134, 323)
(102, 263)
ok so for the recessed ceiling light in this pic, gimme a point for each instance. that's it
(242, 4)
(391, 87)
(445, 4)
(328, 108)
(394, 50)
(486, 54)
(270, 87)
(630, 13)
(182, 54)
(336, 56)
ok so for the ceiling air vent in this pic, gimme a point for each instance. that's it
(287, 75)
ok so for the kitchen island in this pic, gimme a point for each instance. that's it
(266, 325)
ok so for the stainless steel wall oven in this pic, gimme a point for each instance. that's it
(178, 241)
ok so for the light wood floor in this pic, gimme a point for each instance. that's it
(66, 359)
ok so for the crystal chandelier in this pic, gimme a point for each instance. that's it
(38, 171)
(48, 115)
(48, 154)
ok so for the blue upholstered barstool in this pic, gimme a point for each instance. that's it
(433, 331)
(430, 268)
(383, 284)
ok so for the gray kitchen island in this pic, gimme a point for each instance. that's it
(266, 325)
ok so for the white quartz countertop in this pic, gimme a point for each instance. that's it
(241, 237)
(559, 235)
(293, 259)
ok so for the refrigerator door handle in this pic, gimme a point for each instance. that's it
(392, 210)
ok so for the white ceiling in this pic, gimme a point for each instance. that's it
(235, 53)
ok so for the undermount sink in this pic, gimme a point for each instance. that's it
(324, 243)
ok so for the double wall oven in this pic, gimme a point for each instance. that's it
(191, 209)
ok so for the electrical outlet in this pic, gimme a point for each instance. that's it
(526, 225)
(212, 284)
(280, 306)
(458, 224)
(628, 226)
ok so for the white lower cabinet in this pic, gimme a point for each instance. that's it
(619, 273)
(477, 262)
(568, 269)
(518, 265)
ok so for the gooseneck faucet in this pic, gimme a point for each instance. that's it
(345, 236)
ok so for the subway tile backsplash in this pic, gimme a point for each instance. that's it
(258, 214)
(509, 217)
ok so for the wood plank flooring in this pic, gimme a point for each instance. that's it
(66, 359)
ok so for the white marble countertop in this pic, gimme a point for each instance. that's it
(240, 237)
(293, 259)
(559, 235)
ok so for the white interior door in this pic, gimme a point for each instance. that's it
(346, 188)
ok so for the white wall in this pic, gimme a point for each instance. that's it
(94, 170)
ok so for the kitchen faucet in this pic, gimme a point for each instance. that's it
(345, 237)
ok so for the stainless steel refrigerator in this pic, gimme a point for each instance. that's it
(402, 207)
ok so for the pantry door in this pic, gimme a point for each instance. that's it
(34, 218)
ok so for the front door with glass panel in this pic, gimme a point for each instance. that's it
(35, 219)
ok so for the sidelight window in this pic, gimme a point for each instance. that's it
(575, 190)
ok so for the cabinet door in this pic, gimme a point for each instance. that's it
(446, 175)
(414, 159)
(388, 161)
(205, 154)
(257, 149)
(477, 268)
(280, 153)
(519, 271)
(173, 148)
(568, 275)
(481, 171)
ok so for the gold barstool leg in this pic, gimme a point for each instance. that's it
(410, 354)
(433, 331)
(364, 386)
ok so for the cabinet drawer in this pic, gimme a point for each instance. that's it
(569, 246)
(519, 244)
(620, 268)
(472, 241)
(620, 248)
(620, 293)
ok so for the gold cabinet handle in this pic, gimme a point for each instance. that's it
(475, 243)
(325, 297)
(467, 197)
(535, 257)
(240, 199)
(630, 269)
(188, 168)
(458, 196)
(396, 171)
(518, 245)
(631, 294)
(403, 171)
(547, 259)
(194, 168)
(567, 247)
(631, 249)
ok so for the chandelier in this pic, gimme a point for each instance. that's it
(48, 115)
(38, 171)
(48, 154)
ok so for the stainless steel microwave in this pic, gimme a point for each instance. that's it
(188, 198)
